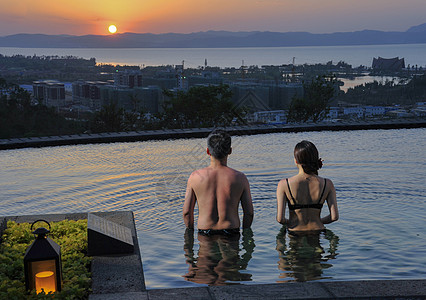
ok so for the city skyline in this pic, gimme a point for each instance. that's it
(83, 17)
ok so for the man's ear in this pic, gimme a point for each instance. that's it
(208, 151)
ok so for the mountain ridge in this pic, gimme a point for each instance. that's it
(217, 39)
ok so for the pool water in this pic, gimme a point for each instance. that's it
(379, 176)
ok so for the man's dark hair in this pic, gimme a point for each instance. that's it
(219, 143)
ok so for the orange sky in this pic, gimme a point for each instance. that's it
(80, 17)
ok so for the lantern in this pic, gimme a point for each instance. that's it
(42, 262)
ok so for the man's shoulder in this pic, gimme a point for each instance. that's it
(238, 175)
(200, 172)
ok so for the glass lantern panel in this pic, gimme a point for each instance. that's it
(43, 276)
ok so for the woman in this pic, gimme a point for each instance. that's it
(305, 194)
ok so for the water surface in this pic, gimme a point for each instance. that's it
(235, 57)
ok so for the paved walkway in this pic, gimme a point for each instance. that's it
(374, 289)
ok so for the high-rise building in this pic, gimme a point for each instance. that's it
(128, 78)
(49, 92)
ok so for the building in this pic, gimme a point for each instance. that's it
(181, 82)
(264, 97)
(140, 99)
(354, 112)
(388, 64)
(334, 113)
(49, 92)
(88, 93)
(270, 117)
(400, 113)
(128, 78)
(371, 111)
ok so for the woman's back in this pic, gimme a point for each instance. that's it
(306, 192)
(305, 198)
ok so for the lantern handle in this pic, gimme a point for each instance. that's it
(41, 220)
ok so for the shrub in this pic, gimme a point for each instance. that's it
(76, 277)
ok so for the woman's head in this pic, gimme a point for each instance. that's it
(306, 155)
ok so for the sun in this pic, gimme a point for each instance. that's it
(112, 29)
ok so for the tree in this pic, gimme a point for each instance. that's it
(314, 105)
(200, 106)
(20, 118)
(109, 119)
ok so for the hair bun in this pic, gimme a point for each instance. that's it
(320, 163)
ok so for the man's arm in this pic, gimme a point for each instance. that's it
(247, 205)
(189, 204)
(332, 206)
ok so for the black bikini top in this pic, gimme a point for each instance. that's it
(312, 205)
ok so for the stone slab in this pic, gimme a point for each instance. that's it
(112, 274)
(305, 290)
(120, 296)
(107, 237)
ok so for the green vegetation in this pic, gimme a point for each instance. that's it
(25, 69)
(315, 103)
(387, 93)
(200, 106)
(70, 235)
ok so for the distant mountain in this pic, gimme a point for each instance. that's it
(418, 28)
(217, 39)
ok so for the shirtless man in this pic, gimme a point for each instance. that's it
(218, 190)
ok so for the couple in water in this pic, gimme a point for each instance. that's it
(218, 191)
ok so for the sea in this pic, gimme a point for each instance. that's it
(379, 177)
(413, 55)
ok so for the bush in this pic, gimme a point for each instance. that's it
(76, 277)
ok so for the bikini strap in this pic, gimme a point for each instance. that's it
(288, 185)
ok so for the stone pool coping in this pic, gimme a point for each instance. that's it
(124, 273)
(166, 134)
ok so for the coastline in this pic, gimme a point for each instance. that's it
(134, 136)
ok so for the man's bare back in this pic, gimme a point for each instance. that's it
(218, 190)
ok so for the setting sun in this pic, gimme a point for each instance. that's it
(112, 29)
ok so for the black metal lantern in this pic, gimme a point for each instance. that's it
(42, 262)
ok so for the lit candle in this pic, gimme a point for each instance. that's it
(45, 280)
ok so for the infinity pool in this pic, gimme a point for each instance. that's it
(379, 176)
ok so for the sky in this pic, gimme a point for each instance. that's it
(81, 17)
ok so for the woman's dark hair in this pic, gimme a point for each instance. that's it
(306, 154)
(219, 143)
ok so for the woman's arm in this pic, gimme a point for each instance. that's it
(281, 202)
(189, 205)
(332, 205)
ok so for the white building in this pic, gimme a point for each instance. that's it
(356, 111)
(333, 113)
(371, 111)
(273, 116)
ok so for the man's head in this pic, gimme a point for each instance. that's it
(219, 144)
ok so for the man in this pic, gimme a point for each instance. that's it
(218, 191)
